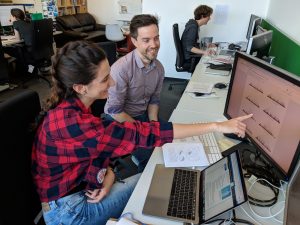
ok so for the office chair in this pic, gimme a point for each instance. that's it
(39, 55)
(110, 50)
(181, 64)
(20, 200)
(114, 33)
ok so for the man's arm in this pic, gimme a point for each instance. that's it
(122, 117)
(153, 112)
(198, 51)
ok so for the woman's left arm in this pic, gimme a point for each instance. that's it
(97, 195)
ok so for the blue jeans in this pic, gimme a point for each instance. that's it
(74, 209)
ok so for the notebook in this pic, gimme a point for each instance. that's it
(195, 196)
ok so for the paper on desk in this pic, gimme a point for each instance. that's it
(184, 155)
(199, 87)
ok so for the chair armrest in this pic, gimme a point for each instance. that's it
(75, 34)
(100, 27)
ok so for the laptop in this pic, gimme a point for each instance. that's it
(200, 195)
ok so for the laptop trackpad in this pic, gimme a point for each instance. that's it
(159, 192)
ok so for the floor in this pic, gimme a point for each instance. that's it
(169, 98)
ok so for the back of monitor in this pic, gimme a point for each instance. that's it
(291, 212)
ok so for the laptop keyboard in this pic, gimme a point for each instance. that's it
(210, 145)
(182, 202)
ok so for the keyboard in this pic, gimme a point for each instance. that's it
(182, 203)
(210, 145)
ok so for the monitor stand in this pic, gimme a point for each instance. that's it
(254, 162)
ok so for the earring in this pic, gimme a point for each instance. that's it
(85, 92)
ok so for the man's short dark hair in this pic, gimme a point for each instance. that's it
(202, 11)
(142, 20)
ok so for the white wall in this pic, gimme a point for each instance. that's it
(104, 11)
(170, 12)
(286, 16)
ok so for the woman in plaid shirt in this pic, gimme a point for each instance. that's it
(72, 148)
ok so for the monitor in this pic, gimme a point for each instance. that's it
(260, 44)
(253, 23)
(5, 13)
(273, 96)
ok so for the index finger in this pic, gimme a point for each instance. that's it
(241, 118)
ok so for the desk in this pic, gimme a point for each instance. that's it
(10, 41)
(194, 110)
(13, 41)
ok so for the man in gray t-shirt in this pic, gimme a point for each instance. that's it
(138, 75)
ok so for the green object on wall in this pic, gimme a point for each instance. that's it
(37, 16)
(285, 50)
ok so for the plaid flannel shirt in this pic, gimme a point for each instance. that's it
(73, 146)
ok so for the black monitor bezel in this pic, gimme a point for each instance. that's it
(280, 73)
(254, 21)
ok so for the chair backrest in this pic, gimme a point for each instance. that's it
(110, 50)
(3, 67)
(19, 198)
(179, 49)
(42, 43)
(113, 32)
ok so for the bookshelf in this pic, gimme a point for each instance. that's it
(68, 7)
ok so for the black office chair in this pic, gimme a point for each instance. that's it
(19, 197)
(110, 50)
(39, 54)
(181, 64)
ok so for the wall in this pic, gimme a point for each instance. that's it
(232, 29)
(104, 11)
(285, 16)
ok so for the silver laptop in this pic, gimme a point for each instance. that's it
(195, 196)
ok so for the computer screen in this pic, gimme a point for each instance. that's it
(260, 44)
(5, 13)
(273, 96)
(253, 23)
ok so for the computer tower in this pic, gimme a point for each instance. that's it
(291, 211)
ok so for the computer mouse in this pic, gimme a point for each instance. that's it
(220, 85)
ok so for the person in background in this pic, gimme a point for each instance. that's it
(72, 148)
(22, 31)
(139, 78)
(190, 35)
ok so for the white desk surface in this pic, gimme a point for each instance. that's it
(9, 41)
(12, 41)
(192, 110)
(208, 105)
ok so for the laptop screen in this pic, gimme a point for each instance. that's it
(224, 187)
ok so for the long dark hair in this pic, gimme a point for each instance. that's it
(18, 13)
(75, 63)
